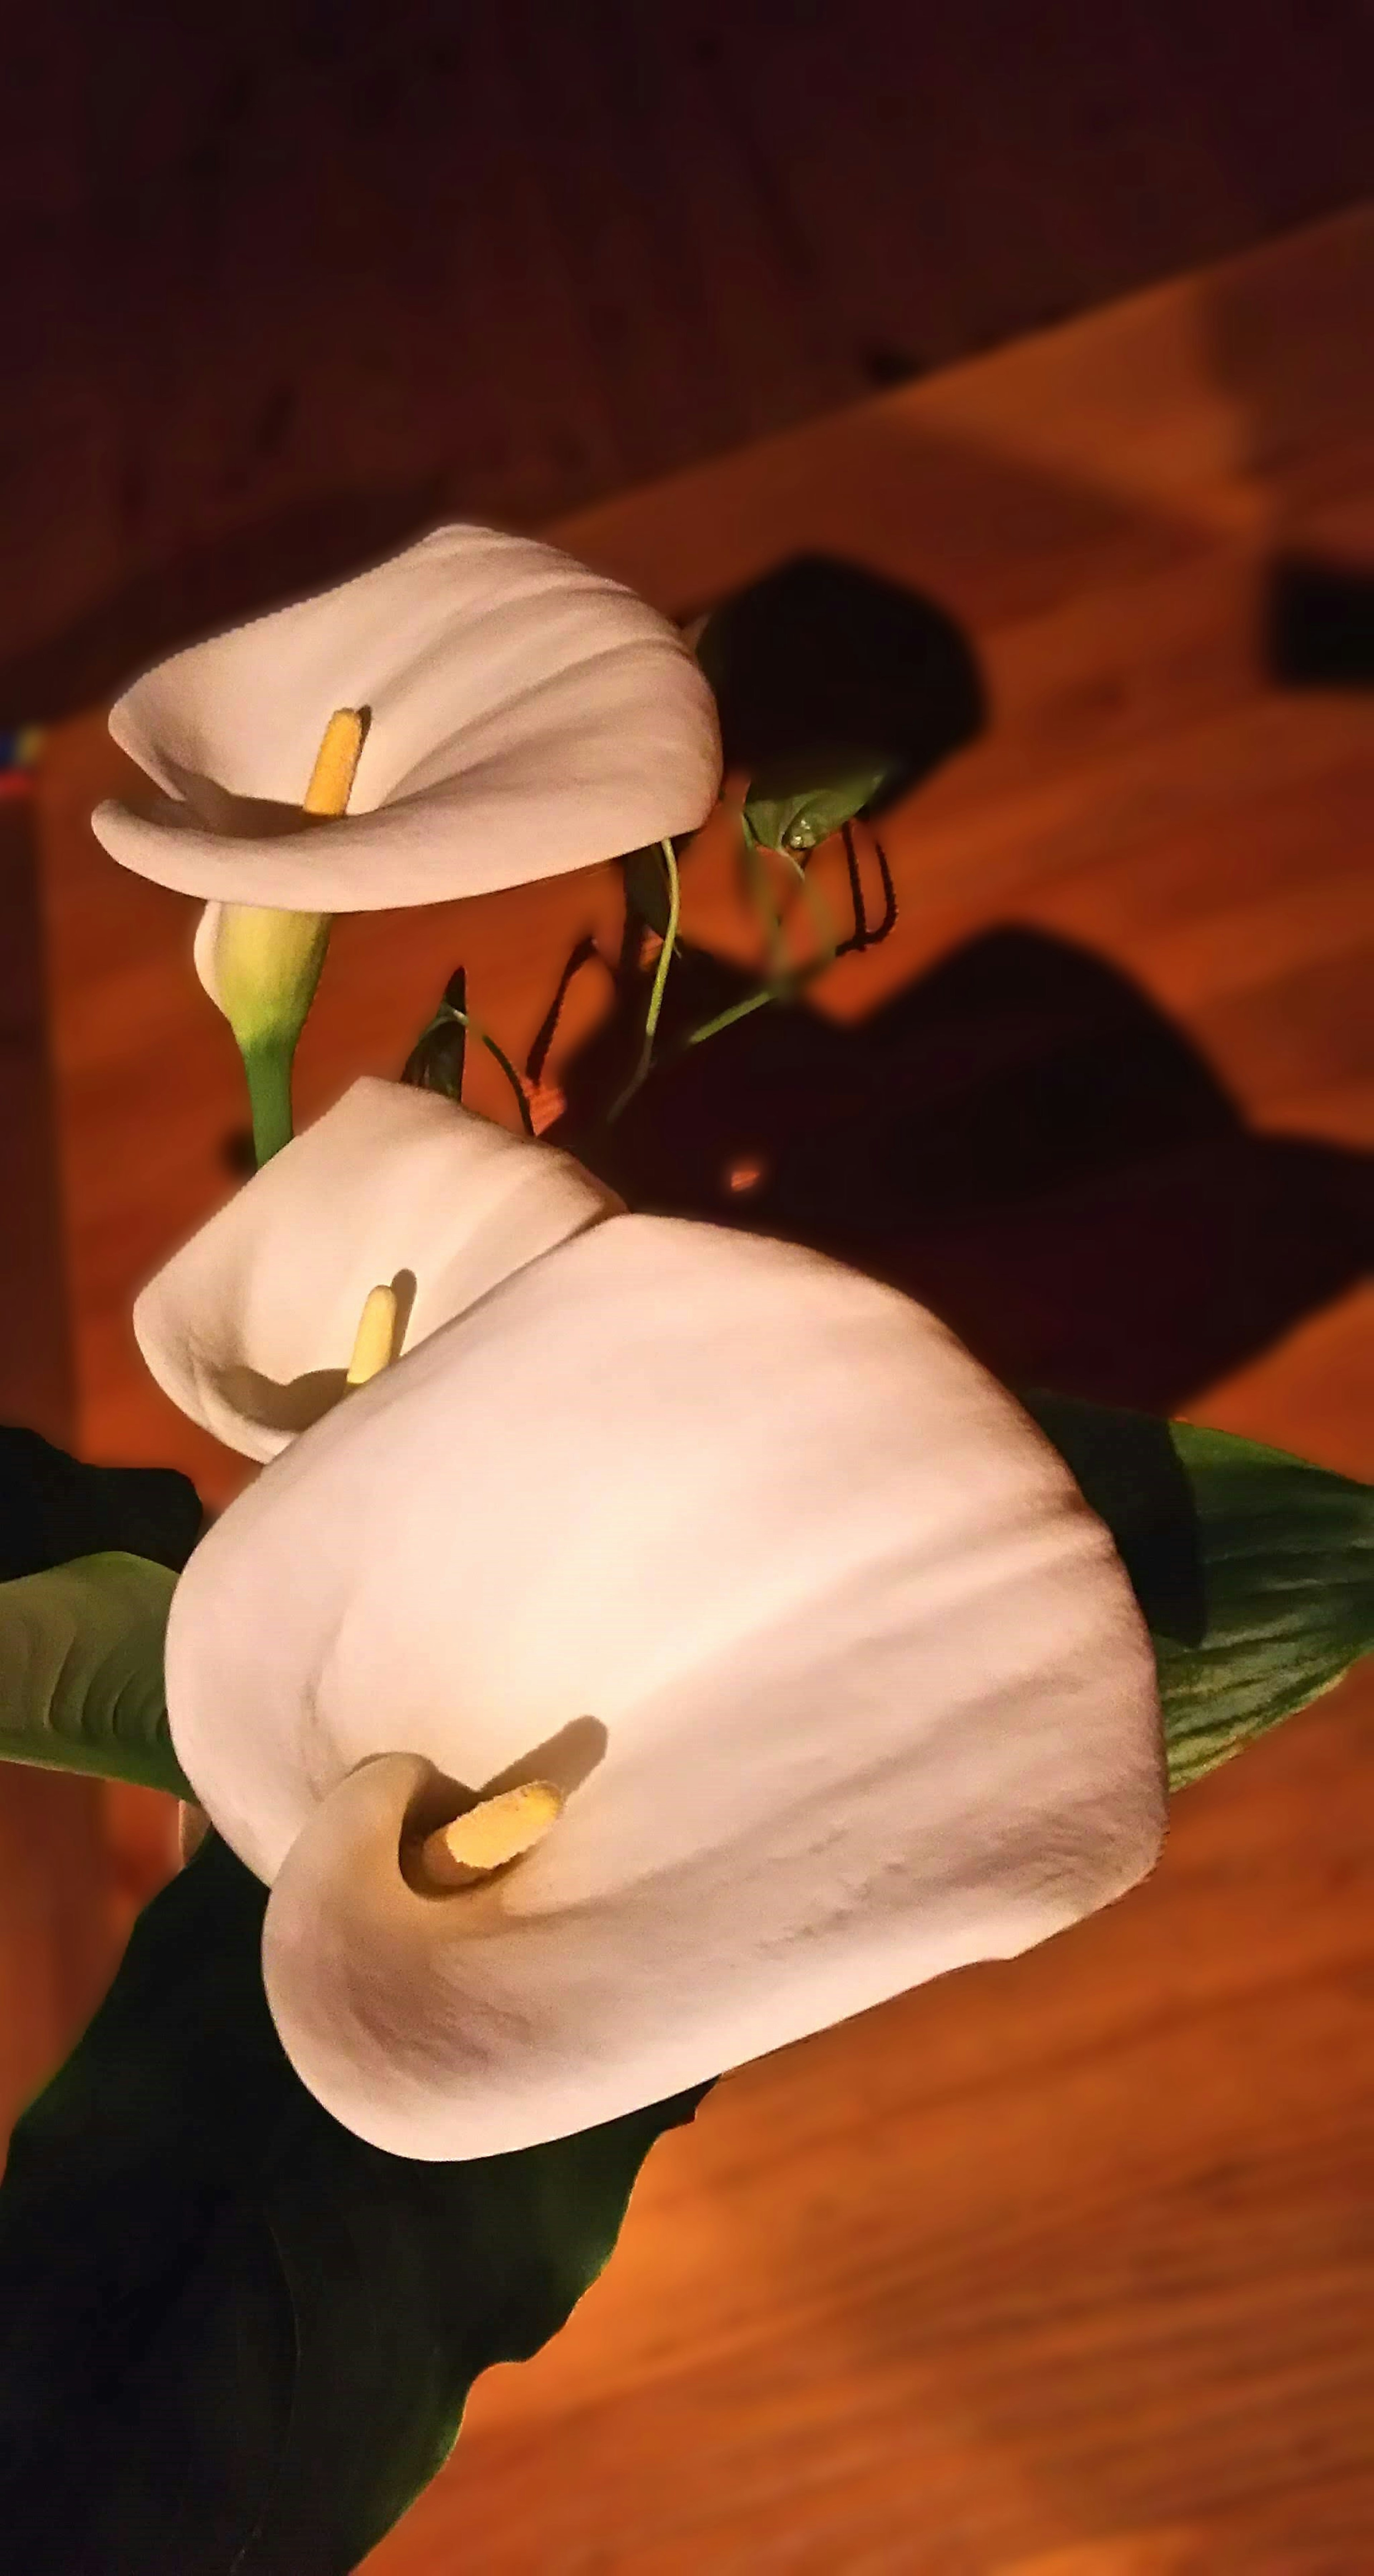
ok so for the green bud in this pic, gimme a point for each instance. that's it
(260, 967)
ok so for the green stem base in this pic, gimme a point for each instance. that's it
(268, 1068)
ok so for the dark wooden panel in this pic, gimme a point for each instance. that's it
(289, 280)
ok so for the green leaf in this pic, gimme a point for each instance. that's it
(1254, 1570)
(793, 805)
(436, 1061)
(81, 1670)
(235, 2337)
(53, 1508)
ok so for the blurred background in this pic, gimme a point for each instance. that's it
(1011, 364)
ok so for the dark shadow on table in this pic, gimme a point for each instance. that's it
(820, 654)
(1319, 624)
(1021, 1140)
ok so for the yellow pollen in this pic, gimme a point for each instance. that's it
(374, 1345)
(489, 1835)
(331, 779)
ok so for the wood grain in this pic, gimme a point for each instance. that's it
(1061, 2268)
(58, 1943)
(289, 280)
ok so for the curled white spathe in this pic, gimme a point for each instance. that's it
(870, 1694)
(249, 1327)
(526, 715)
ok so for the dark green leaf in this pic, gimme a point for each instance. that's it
(1254, 1570)
(53, 1508)
(795, 806)
(81, 1670)
(437, 1059)
(235, 2337)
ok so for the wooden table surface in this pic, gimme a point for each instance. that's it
(293, 277)
(1064, 2267)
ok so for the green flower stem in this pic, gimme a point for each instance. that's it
(268, 1067)
(654, 1012)
(451, 1011)
(727, 1019)
(819, 909)
(765, 905)
(802, 976)
(799, 977)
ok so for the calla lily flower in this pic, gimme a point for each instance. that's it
(525, 716)
(396, 1193)
(687, 1647)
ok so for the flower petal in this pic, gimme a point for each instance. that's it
(205, 952)
(874, 1695)
(527, 716)
(249, 1328)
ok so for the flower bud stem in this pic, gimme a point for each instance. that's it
(281, 953)
(268, 1068)
(665, 959)
(486, 1039)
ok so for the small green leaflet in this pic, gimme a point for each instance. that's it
(81, 1649)
(235, 2340)
(1254, 1570)
(436, 1061)
(794, 805)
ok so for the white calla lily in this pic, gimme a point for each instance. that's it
(524, 716)
(818, 1674)
(251, 1328)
